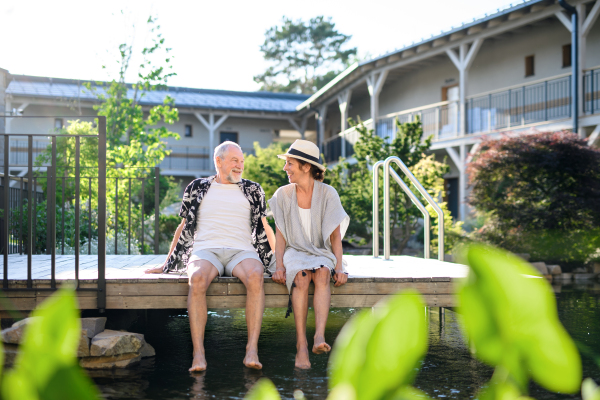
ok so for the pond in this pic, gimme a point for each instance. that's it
(448, 370)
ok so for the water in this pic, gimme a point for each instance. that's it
(448, 370)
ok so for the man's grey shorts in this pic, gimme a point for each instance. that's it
(224, 260)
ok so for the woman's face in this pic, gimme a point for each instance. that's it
(294, 170)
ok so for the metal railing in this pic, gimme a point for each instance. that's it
(69, 209)
(591, 91)
(387, 172)
(191, 158)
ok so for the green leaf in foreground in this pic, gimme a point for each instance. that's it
(263, 390)
(589, 390)
(509, 315)
(378, 353)
(46, 367)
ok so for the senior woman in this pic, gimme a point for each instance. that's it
(311, 223)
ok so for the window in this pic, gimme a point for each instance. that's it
(231, 136)
(58, 123)
(566, 55)
(529, 66)
(188, 131)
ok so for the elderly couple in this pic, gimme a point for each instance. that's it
(224, 232)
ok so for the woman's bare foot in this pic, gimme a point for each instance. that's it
(302, 361)
(155, 270)
(251, 360)
(199, 363)
(320, 345)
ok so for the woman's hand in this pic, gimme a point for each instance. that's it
(279, 276)
(340, 277)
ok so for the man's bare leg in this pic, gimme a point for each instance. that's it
(321, 302)
(202, 274)
(250, 272)
(300, 305)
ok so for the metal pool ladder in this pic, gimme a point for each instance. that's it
(387, 172)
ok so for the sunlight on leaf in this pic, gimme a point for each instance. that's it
(263, 390)
(589, 390)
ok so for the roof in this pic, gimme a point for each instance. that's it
(501, 12)
(71, 89)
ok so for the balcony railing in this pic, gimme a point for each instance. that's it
(514, 107)
(191, 158)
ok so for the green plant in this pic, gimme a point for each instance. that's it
(265, 168)
(354, 184)
(46, 367)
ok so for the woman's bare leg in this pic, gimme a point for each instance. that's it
(321, 302)
(300, 306)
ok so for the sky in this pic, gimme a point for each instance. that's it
(215, 44)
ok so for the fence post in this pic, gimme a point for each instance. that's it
(29, 210)
(6, 215)
(156, 205)
(101, 304)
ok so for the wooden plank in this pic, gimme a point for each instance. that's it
(160, 289)
(356, 288)
(368, 300)
(23, 303)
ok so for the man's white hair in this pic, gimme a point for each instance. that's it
(223, 148)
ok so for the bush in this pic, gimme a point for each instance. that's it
(540, 195)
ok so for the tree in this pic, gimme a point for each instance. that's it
(540, 193)
(266, 168)
(135, 137)
(354, 184)
(304, 56)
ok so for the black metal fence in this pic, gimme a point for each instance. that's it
(68, 213)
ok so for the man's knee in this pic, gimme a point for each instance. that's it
(199, 281)
(255, 277)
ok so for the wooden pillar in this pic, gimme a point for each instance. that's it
(344, 104)
(375, 83)
(211, 126)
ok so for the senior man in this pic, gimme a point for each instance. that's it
(223, 232)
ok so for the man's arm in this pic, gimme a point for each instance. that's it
(269, 232)
(159, 270)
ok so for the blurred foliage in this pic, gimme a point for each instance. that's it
(509, 317)
(354, 184)
(540, 194)
(46, 366)
(266, 168)
(303, 55)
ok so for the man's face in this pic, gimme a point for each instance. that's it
(231, 165)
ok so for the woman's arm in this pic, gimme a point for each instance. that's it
(159, 270)
(336, 246)
(279, 275)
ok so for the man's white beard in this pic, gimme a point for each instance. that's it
(232, 178)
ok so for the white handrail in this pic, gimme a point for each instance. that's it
(387, 171)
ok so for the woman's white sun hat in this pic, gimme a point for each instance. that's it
(304, 150)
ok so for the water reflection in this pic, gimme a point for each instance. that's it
(448, 370)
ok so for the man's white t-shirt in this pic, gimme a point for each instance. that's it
(223, 219)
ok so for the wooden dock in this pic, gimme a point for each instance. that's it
(127, 287)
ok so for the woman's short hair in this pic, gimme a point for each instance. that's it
(315, 171)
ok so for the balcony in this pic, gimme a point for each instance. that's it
(190, 160)
(503, 109)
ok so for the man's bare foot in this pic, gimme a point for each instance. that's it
(155, 270)
(251, 360)
(302, 361)
(199, 363)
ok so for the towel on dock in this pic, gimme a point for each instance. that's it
(326, 213)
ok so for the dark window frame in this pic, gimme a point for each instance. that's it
(59, 121)
(185, 131)
(566, 56)
(529, 66)
(237, 136)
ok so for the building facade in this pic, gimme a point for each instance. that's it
(507, 73)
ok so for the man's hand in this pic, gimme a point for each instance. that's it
(279, 276)
(340, 278)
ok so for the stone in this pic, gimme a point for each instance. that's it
(11, 351)
(524, 256)
(84, 345)
(107, 362)
(554, 269)
(541, 267)
(583, 277)
(548, 277)
(147, 350)
(93, 326)
(580, 270)
(565, 276)
(13, 334)
(24, 321)
(111, 343)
